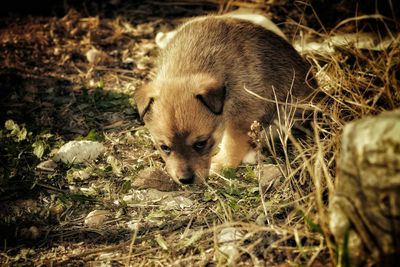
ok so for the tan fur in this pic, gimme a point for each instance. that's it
(199, 92)
(234, 146)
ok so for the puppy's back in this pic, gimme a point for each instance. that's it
(241, 55)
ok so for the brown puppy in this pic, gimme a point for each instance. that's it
(198, 98)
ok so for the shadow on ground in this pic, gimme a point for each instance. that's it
(52, 111)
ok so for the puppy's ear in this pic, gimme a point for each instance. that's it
(212, 95)
(144, 98)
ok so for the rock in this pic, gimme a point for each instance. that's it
(154, 178)
(228, 238)
(229, 234)
(270, 174)
(359, 40)
(96, 218)
(261, 219)
(365, 206)
(133, 225)
(76, 175)
(48, 166)
(96, 57)
(169, 200)
(177, 203)
(79, 151)
(57, 209)
(30, 205)
(32, 233)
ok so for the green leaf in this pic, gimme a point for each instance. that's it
(316, 228)
(38, 148)
(208, 196)
(100, 84)
(126, 186)
(115, 164)
(21, 135)
(17, 133)
(11, 125)
(250, 173)
(345, 260)
(229, 173)
(94, 135)
(161, 242)
(194, 238)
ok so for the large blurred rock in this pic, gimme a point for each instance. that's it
(365, 209)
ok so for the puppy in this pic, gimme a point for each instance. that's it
(198, 99)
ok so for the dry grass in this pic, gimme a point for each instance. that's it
(356, 83)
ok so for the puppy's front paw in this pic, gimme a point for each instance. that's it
(222, 161)
(216, 165)
(250, 157)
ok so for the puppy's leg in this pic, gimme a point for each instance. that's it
(234, 146)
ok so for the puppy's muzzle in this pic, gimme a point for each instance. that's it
(187, 177)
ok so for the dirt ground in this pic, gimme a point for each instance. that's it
(68, 71)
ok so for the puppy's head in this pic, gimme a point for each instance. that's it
(184, 118)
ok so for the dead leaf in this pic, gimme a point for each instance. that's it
(154, 178)
(96, 218)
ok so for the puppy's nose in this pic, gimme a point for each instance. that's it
(187, 178)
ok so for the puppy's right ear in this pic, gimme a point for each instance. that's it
(212, 94)
(144, 98)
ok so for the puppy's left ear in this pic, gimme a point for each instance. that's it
(212, 95)
(144, 98)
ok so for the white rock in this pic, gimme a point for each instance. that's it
(369, 41)
(178, 202)
(96, 218)
(230, 250)
(48, 165)
(229, 234)
(133, 225)
(227, 238)
(169, 200)
(270, 175)
(32, 233)
(95, 56)
(81, 174)
(79, 151)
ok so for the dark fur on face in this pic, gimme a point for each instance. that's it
(198, 97)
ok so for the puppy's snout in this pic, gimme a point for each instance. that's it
(186, 177)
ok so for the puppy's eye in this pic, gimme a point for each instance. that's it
(166, 149)
(200, 145)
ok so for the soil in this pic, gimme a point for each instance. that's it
(68, 70)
